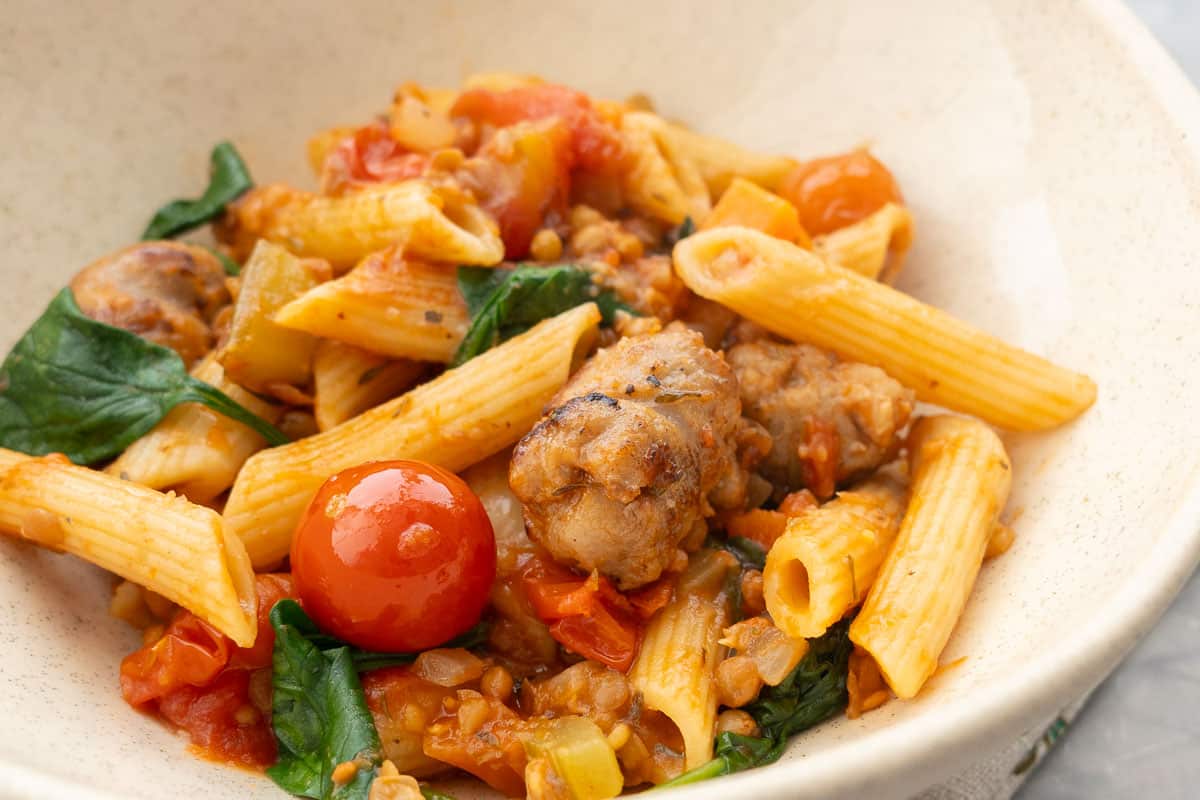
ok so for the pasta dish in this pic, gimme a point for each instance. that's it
(544, 440)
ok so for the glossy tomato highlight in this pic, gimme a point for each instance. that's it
(394, 556)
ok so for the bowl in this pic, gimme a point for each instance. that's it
(1049, 153)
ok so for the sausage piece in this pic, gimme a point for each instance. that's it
(167, 292)
(639, 445)
(831, 420)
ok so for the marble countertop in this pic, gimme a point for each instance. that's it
(1139, 736)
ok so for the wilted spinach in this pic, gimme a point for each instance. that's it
(80, 387)
(228, 179)
(507, 302)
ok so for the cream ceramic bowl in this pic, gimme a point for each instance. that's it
(1049, 152)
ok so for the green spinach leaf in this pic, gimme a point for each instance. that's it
(228, 179)
(80, 387)
(813, 692)
(507, 302)
(231, 266)
(749, 553)
(319, 714)
(290, 613)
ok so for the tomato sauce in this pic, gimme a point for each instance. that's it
(198, 680)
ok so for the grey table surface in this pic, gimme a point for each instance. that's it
(1139, 737)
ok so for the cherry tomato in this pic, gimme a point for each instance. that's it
(395, 556)
(837, 191)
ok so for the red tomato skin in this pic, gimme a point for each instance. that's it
(394, 556)
(837, 191)
(596, 144)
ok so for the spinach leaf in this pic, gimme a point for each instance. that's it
(813, 692)
(319, 714)
(290, 613)
(506, 302)
(685, 229)
(231, 266)
(80, 387)
(749, 553)
(228, 179)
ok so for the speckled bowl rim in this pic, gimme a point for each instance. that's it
(908, 756)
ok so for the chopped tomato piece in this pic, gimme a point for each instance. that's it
(369, 156)
(837, 191)
(190, 653)
(595, 144)
(198, 680)
(222, 720)
(588, 615)
(520, 175)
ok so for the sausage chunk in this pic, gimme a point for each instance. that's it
(167, 292)
(625, 468)
(830, 420)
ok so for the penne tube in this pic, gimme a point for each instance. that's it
(453, 421)
(719, 161)
(259, 354)
(828, 557)
(388, 304)
(798, 295)
(675, 669)
(435, 222)
(874, 246)
(162, 542)
(194, 450)
(348, 380)
(662, 182)
(960, 481)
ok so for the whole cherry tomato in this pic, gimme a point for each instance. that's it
(837, 191)
(395, 556)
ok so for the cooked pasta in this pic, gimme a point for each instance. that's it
(162, 542)
(960, 481)
(875, 246)
(455, 420)
(429, 221)
(391, 305)
(585, 439)
(348, 380)
(194, 450)
(664, 183)
(798, 295)
(828, 557)
(676, 667)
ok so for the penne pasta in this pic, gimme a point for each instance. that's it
(662, 182)
(675, 669)
(719, 161)
(259, 354)
(459, 418)
(798, 295)
(828, 557)
(348, 380)
(162, 542)
(960, 481)
(436, 222)
(874, 246)
(194, 450)
(388, 304)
